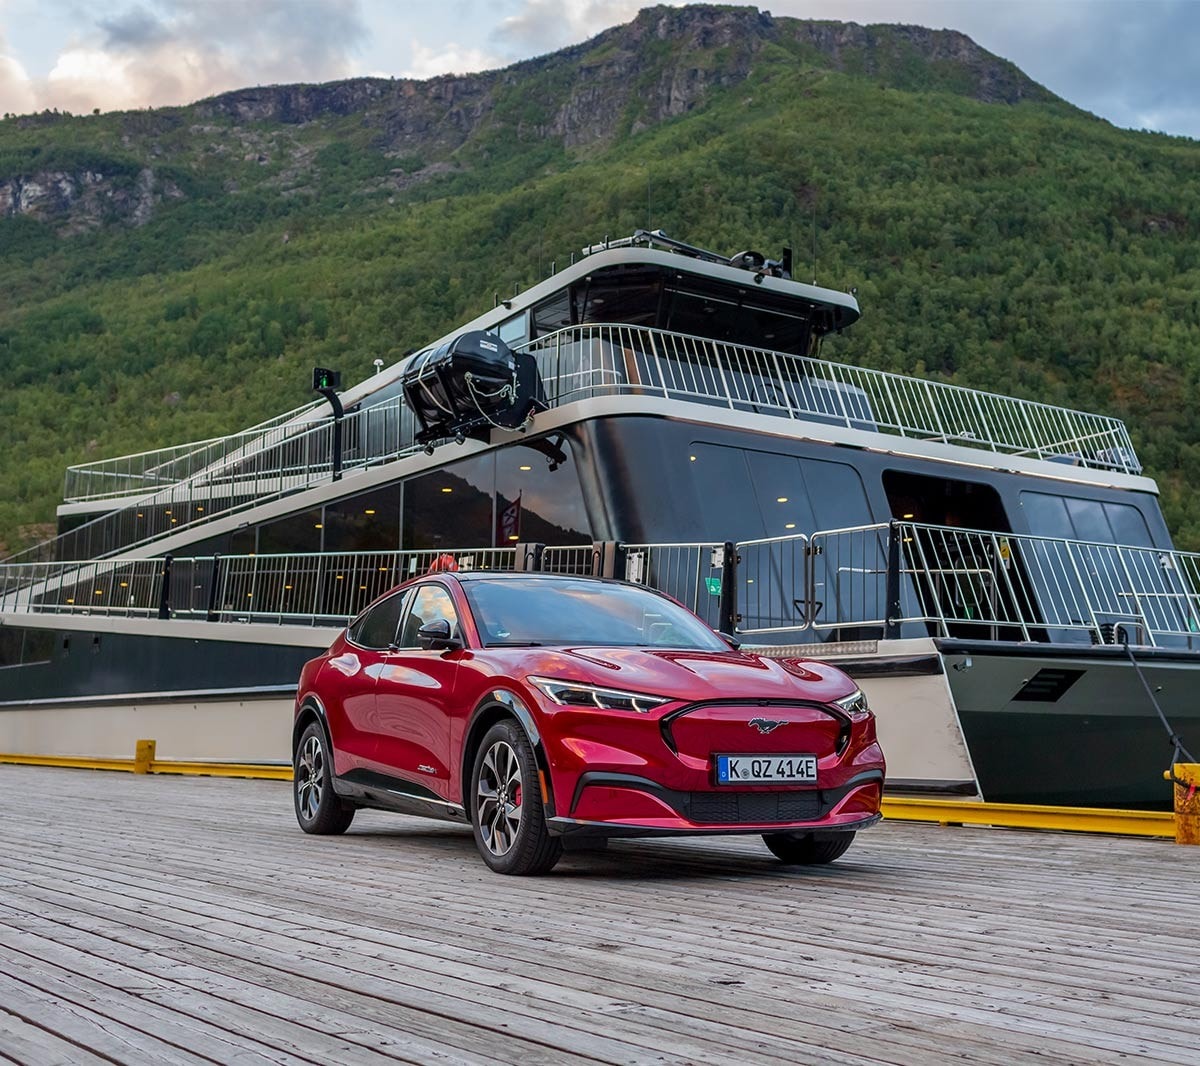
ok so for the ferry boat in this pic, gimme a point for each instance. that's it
(996, 572)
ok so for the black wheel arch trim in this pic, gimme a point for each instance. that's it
(508, 701)
(311, 703)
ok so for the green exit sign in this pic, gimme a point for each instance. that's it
(324, 378)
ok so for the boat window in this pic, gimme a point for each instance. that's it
(497, 500)
(1075, 518)
(295, 534)
(515, 330)
(553, 314)
(377, 628)
(452, 507)
(767, 494)
(10, 646)
(537, 503)
(367, 522)
(629, 295)
(23, 647)
(941, 501)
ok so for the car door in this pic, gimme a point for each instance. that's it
(414, 695)
(352, 679)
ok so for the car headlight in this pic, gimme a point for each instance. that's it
(574, 694)
(855, 705)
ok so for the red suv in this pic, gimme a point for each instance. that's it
(544, 709)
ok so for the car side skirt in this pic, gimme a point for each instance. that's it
(369, 788)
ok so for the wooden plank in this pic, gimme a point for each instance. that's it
(923, 944)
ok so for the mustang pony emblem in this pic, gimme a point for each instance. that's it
(766, 725)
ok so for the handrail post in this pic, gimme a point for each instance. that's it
(727, 616)
(891, 623)
(211, 614)
(164, 592)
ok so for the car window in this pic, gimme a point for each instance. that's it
(377, 628)
(430, 603)
(553, 611)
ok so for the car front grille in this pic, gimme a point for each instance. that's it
(752, 808)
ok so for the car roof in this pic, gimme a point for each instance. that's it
(510, 575)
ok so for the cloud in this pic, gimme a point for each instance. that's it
(176, 51)
(429, 62)
(16, 91)
(544, 25)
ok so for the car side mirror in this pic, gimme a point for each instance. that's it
(729, 639)
(436, 635)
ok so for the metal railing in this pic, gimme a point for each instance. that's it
(691, 573)
(971, 583)
(584, 361)
(148, 472)
(253, 467)
(883, 580)
(239, 471)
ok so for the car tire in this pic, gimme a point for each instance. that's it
(511, 836)
(318, 808)
(805, 849)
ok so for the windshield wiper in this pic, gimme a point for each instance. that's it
(513, 644)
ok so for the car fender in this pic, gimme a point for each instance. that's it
(519, 709)
(310, 702)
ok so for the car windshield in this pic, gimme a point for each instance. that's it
(532, 611)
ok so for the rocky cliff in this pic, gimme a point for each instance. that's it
(663, 64)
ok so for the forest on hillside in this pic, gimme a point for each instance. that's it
(1024, 248)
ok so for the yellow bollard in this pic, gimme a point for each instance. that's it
(143, 756)
(1187, 801)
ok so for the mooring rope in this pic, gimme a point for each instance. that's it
(1174, 737)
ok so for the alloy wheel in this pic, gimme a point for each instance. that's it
(498, 792)
(310, 777)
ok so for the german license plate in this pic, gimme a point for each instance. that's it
(766, 769)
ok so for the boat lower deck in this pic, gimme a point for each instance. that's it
(188, 920)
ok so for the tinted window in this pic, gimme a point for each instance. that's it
(549, 611)
(1078, 519)
(292, 535)
(368, 522)
(430, 603)
(377, 628)
(451, 507)
(537, 503)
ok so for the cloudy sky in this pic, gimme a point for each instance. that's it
(1134, 62)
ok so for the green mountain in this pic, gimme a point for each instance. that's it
(172, 274)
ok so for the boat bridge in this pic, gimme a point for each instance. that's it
(188, 920)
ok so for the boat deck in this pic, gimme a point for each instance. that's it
(151, 919)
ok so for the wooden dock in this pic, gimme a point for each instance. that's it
(164, 920)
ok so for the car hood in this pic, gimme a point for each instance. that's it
(688, 675)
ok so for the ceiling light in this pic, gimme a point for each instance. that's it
(369, 510)
(781, 499)
(527, 468)
(513, 536)
(790, 525)
(447, 490)
(909, 516)
(318, 525)
(691, 458)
